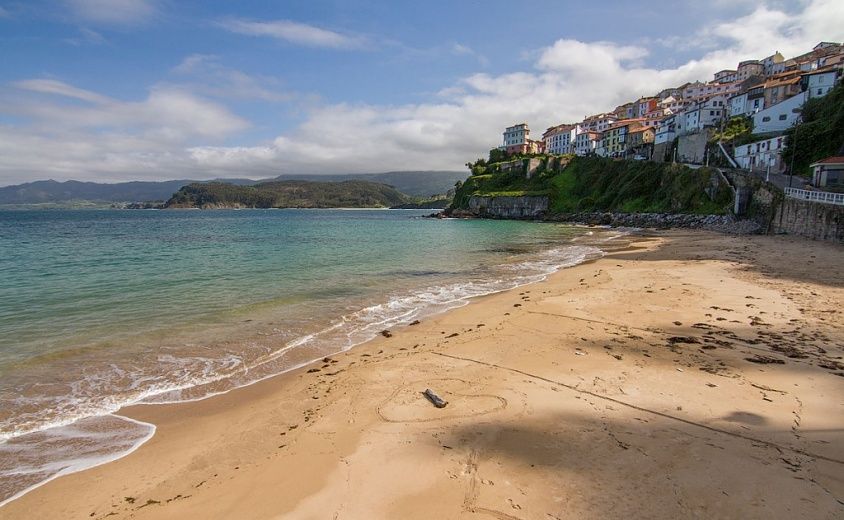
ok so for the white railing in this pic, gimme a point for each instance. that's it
(825, 197)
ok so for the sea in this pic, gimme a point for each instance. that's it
(100, 309)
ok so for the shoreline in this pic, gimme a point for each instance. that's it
(228, 436)
(433, 311)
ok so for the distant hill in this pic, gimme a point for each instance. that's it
(41, 192)
(288, 194)
(415, 183)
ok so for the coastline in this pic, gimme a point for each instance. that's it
(559, 363)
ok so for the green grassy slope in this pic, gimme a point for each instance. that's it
(595, 184)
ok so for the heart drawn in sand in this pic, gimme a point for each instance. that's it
(465, 399)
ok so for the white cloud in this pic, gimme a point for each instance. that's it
(294, 32)
(168, 113)
(205, 74)
(119, 12)
(458, 49)
(59, 88)
(167, 134)
(87, 37)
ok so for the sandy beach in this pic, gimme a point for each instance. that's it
(690, 375)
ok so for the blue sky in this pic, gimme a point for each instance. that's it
(152, 89)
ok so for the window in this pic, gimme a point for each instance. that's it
(766, 119)
(783, 117)
(820, 92)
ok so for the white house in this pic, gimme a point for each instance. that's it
(516, 134)
(747, 103)
(737, 104)
(586, 142)
(666, 130)
(820, 82)
(559, 139)
(680, 122)
(705, 113)
(779, 117)
(762, 155)
(828, 172)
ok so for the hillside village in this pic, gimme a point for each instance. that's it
(763, 96)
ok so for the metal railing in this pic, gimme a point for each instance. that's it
(825, 197)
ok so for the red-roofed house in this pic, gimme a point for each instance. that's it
(828, 172)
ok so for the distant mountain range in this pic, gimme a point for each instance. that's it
(413, 183)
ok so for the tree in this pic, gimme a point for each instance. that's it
(497, 155)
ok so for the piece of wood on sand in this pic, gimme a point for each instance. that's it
(434, 398)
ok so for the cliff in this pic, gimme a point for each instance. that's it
(545, 186)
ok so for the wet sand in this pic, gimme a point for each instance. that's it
(691, 375)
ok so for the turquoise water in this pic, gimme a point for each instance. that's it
(103, 308)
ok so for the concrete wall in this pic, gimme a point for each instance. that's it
(660, 149)
(527, 207)
(692, 147)
(810, 219)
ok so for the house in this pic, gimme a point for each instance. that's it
(666, 130)
(559, 139)
(747, 103)
(598, 122)
(706, 113)
(829, 172)
(817, 58)
(773, 64)
(680, 122)
(749, 68)
(625, 111)
(671, 105)
(725, 76)
(640, 141)
(614, 139)
(517, 140)
(780, 88)
(515, 136)
(779, 117)
(692, 91)
(586, 142)
(645, 105)
(820, 82)
(762, 155)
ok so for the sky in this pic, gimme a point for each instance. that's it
(114, 90)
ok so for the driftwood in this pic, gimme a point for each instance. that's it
(434, 398)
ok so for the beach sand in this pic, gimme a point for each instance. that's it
(691, 375)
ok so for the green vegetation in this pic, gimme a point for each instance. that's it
(821, 133)
(288, 194)
(736, 131)
(586, 184)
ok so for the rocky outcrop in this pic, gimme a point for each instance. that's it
(519, 207)
(722, 223)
